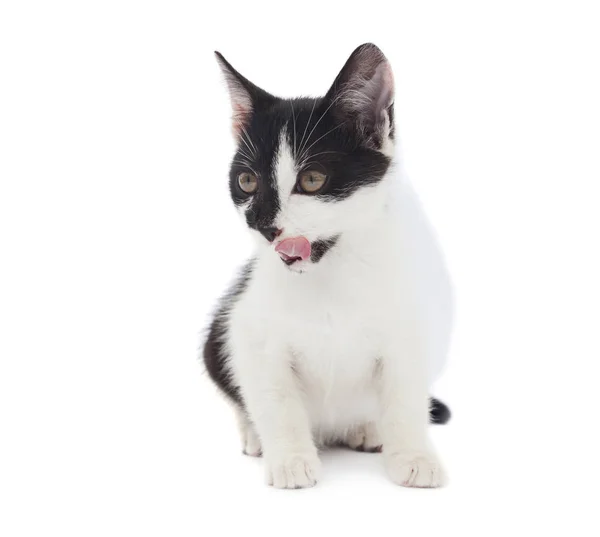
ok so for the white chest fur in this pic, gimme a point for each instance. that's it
(335, 330)
(330, 330)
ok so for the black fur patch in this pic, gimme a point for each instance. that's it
(438, 412)
(321, 247)
(215, 354)
(256, 154)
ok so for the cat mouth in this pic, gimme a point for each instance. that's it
(293, 250)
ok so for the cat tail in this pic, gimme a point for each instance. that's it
(438, 412)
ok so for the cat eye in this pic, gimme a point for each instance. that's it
(311, 182)
(248, 182)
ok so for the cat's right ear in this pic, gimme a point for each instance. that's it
(245, 96)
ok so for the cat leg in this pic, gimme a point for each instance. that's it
(276, 408)
(250, 440)
(364, 437)
(409, 457)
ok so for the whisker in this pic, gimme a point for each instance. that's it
(305, 163)
(244, 137)
(246, 144)
(245, 164)
(322, 116)
(251, 142)
(325, 153)
(294, 118)
(320, 138)
(244, 154)
(306, 127)
(248, 154)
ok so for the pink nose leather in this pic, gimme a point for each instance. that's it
(294, 247)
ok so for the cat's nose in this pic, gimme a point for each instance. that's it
(270, 233)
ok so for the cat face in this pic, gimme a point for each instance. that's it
(306, 171)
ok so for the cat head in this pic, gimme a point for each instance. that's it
(308, 170)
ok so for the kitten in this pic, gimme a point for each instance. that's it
(340, 322)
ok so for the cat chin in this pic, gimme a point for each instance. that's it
(299, 267)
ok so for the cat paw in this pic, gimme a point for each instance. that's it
(364, 438)
(415, 469)
(251, 443)
(296, 471)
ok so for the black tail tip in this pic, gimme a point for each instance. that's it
(439, 413)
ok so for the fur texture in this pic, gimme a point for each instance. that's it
(340, 346)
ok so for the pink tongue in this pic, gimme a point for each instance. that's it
(294, 247)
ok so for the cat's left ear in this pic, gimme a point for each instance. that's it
(245, 96)
(363, 95)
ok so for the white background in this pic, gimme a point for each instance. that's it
(117, 235)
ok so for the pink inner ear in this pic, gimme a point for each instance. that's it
(241, 114)
(384, 79)
(378, 91)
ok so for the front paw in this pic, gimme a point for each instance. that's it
(293, 471)
(415, 469)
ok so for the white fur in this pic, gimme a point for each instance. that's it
(350, 344)
(250, 440)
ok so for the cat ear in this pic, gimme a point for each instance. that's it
(245, 96)
(363, 94)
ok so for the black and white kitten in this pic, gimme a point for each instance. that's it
(341, 320)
